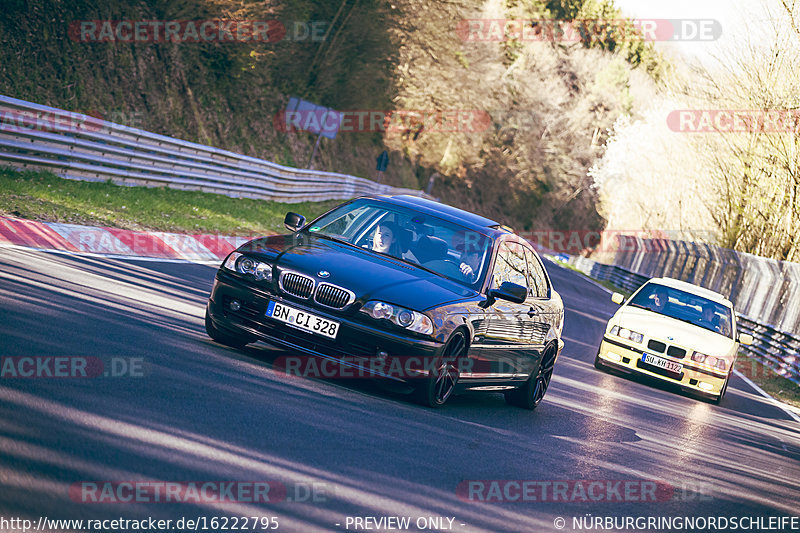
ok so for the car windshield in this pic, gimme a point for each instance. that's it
(433, 243)
(685, 306)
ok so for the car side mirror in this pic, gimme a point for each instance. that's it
(511, 292)
(293, 221)
(746, 339)
(617, 298)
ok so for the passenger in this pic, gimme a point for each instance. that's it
(709, 319)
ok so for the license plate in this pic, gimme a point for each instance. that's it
(662, 363)
(303, 320)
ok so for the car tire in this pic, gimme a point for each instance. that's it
(224, 338)
(530, 395)
(438, 386)
(598, 363)
(718, 399)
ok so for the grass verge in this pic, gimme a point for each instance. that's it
(770, 381)
(45, 197)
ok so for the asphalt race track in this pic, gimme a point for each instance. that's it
(196, 411)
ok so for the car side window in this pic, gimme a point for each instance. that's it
(537, 279)
(510, 265)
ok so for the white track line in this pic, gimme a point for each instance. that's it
(785, 408)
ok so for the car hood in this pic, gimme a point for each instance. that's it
(683, 334)
(369, 275)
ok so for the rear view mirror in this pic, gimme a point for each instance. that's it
(617, 298)
(746, 339)
(293, 221)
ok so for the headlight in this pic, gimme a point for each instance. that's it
(230, 262)
(242, 264)
(627, 334)
(710, 360)
(401, 316)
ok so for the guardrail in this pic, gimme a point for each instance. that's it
(773, 348)
(625, 279)
(81, 147)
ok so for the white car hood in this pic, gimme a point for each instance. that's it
(655, 326)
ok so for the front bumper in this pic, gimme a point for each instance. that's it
(357, 344)
(618, 355)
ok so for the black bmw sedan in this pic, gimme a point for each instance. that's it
(400, 288)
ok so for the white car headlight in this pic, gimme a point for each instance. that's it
(405, 318)
(242, 264)
(627, 334)
(230, 262)
(717, 362)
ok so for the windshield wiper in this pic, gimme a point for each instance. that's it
(335, 239)
(406, 261)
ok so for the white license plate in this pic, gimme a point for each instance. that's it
(662, 363)
(303, 320)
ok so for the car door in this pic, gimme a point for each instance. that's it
(507, 324)
(541, 312)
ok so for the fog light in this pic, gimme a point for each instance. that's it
(611, 356)
(705, 386)
(235, 305)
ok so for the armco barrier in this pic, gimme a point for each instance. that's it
(777, 350)
(77, 146)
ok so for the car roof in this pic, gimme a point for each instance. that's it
(459, 216)
(693, 289)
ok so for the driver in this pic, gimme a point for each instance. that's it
(470, 262)
(384, 240)
(660, 300)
